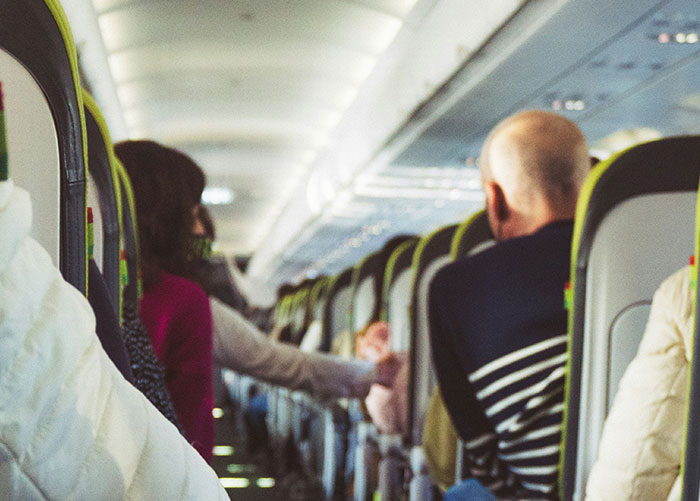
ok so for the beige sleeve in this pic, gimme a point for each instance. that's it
(641, 446)
(240, 346)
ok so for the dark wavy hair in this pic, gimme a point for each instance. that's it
(167, 186)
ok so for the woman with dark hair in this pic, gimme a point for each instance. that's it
(175, 310)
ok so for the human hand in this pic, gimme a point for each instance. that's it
(374, 343)
(388, 367)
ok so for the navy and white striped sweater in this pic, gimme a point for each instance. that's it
(499, 349)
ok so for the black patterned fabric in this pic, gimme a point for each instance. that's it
(149, 374)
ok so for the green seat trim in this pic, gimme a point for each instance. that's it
(106, 174)
(135, 266)
(318, 291)
(472, 232)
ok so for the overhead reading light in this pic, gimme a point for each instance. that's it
(217, 195)
(679, 38)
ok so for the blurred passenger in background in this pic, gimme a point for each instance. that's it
(175, 310)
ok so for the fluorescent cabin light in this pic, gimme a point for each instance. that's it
(217, 195)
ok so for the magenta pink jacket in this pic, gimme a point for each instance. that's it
(178, 319)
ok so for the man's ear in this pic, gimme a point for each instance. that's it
(496, 203)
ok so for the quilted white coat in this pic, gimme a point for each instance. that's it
(70, 426)
(640, 450)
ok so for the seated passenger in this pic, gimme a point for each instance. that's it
(71, 427)
(498, 324)
(640, 451)
(167, 188)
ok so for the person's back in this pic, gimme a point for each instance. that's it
(177, 317)
(498, 321)
(510, 345)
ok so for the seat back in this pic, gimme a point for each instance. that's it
(46, 126)
(634, 227)
(102, 172)
(300, 313)
(319, 294)
(366, 291)
(472, 236)
(690, 465)
(396, 298)
(431, 254)
(130, 258)
(311, 341)
(337, 307)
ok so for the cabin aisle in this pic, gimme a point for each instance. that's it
(244, 475)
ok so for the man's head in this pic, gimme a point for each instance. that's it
(532, 167)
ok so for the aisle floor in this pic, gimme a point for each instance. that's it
(245, 476)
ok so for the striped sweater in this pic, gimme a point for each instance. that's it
(497, 324)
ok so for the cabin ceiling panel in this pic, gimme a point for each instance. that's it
(275, 23)
(257, 161)
(245, 84)
(192, 127)
(182, 57)
(305, 119)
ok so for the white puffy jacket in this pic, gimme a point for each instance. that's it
(70, 426)
(641, 447)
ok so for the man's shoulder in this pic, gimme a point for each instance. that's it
(507, 259)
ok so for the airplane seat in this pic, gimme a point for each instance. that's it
(334, 321)
(633, 228)
(335, 311)
(312, 339)
(103, 184)
(431, 254)
(366, 309)
(471, 237)
(298, 315)
(690, 466)
(95, 241)
(396, 297)
(46, 126)
(366, 296)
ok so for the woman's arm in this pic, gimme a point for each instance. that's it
(240, 346)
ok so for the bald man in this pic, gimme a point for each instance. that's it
(497, 318)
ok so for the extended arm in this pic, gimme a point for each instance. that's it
(240, 346)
